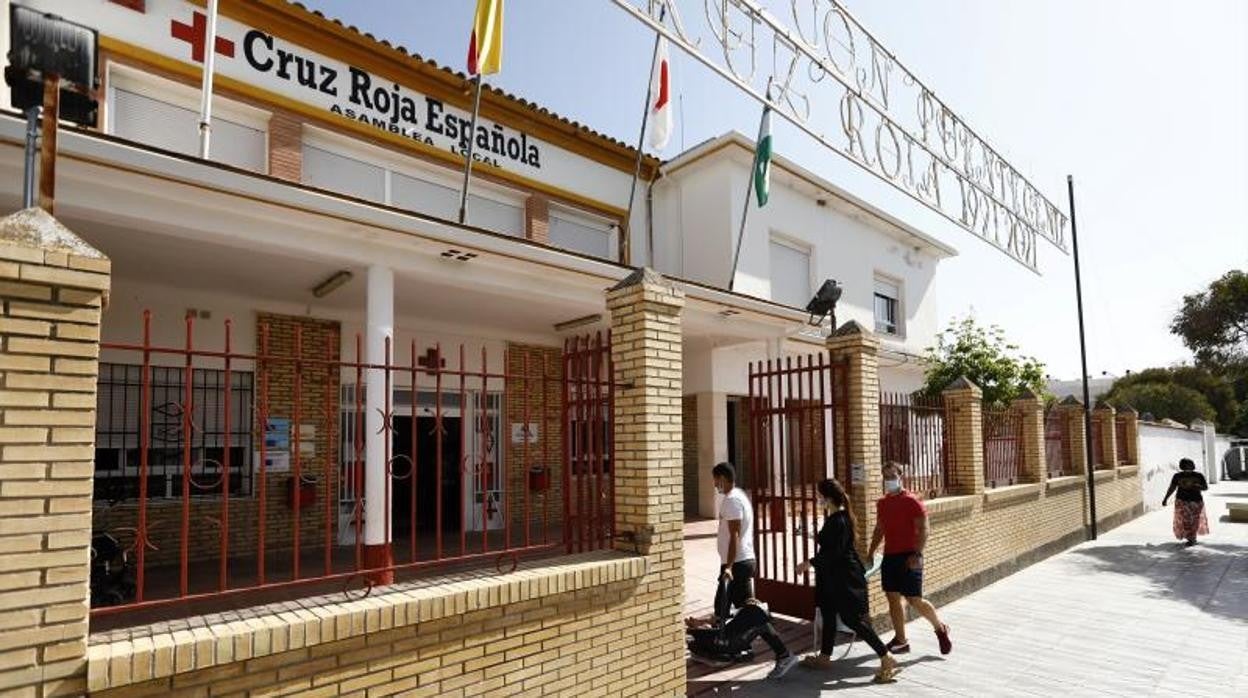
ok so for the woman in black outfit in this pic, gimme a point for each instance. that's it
(1189, 505)
(841, 583)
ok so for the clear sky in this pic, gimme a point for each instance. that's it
(1145, 102)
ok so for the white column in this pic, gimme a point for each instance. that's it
(712, 448)
(380, 326)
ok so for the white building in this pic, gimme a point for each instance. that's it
(335, 152)
(810, 230)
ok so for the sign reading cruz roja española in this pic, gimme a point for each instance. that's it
(257, 57)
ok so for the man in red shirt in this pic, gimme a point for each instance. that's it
(901, 523)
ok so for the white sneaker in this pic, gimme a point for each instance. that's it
(782, 666)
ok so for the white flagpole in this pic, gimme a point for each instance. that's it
(205, 103)
(626, 230)
(472, 139)
(749, 191)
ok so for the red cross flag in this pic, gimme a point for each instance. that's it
(660, 98)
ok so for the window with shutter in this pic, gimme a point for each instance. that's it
(790, 274)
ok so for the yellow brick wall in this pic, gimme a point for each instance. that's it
(614, 639)
(971, 547)
(52, 287)
(591, 642)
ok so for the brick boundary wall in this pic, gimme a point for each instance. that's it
(977, 537)
(607, 621)
(53, 288)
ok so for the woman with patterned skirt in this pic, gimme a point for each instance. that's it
(1189, 505)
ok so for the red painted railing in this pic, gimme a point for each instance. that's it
(1057, 443)
(1120, 441)
(1096, 443)
(914, 434)
(228, 476)
(1003, 446)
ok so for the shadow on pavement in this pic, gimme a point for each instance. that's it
(849, 673)
(1212, 577)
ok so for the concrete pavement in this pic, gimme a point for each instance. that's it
(1133, 613)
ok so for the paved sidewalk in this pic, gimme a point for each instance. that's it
(1134, 613)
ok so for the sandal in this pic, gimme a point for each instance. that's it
(888, 671)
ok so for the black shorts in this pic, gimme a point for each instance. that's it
(896, 575)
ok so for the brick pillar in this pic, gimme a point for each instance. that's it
(1072, 410)
(1131, 426)
(965, 419)
(646, 350)
(1104, 415)
(286, 146)
(1032, 466)
(537, 219)
(859, 349)
(50, 339)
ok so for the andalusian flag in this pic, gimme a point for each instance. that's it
(762, 159)
(485, 46)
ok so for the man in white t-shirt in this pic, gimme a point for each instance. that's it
(735, 538)
(737, 565)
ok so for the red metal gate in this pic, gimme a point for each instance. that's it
(794, 420)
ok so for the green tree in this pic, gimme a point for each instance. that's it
(1166, 401)
(1218, 392)
(1214, 322)
(983, 355)
(1214, 325)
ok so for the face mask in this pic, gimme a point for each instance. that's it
(892, 486)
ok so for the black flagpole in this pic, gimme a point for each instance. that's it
(472, 139)
(1083, 358)
(749, 191)
(625, 244)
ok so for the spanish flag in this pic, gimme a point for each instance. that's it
(485, 47)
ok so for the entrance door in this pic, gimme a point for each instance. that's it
(792, 419)
(431, 486)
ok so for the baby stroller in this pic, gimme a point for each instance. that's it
(112, 572)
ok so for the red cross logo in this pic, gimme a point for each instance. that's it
(195, 34)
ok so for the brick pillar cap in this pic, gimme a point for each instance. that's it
(962, 383)
(850, 328)
(37, 229)
(1127, 409)
(1102, 406)
(1071, 400)
(641, 276)
(1027, 394)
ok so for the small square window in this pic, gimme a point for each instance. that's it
(887, 307)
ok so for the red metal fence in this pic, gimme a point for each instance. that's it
(1003, 446)
(795, 412)
(1096, 444)
(587, 478)
(1057, 443)
(914, 434)
(1120, 441)
(224, 473)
